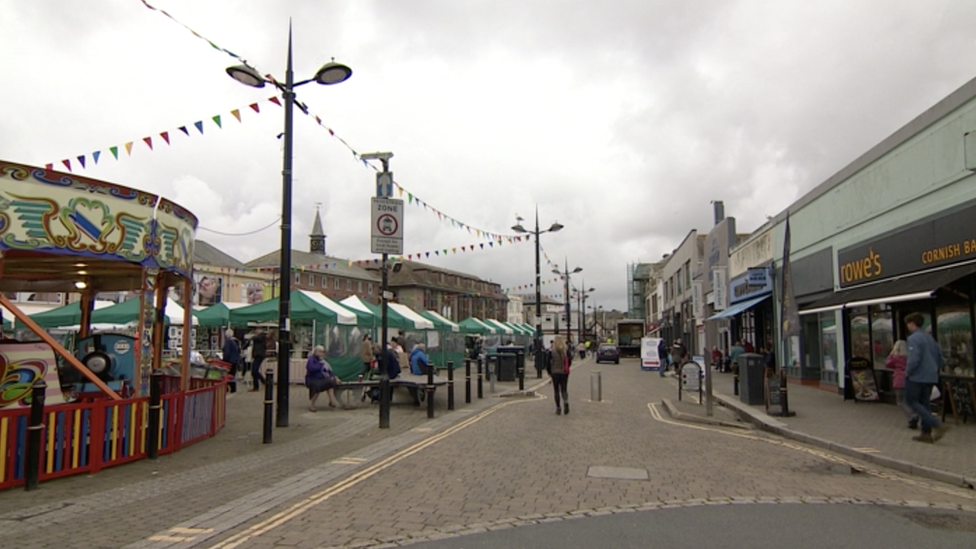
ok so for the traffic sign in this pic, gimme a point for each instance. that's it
(387, 226)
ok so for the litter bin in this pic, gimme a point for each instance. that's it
(507, 364)
(751, 371)
(519, 355)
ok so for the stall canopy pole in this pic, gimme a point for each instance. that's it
(159, 324)
(57, 348)
(86, 305)
(187, 332)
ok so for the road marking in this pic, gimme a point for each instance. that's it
(955, 492)
(421, 429)
(348, 460)
(868, 450)
(182, 530)
(306, 503)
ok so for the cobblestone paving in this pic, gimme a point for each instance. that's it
(343, 483)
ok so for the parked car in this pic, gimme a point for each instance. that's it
(608, 352)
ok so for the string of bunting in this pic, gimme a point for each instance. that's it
(166, 137)
(456, 223)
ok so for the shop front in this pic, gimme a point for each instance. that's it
(750, 310)
(927, 267)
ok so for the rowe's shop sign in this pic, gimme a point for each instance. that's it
(941, 241)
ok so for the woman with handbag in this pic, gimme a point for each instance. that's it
(319, 378)
(562, 358)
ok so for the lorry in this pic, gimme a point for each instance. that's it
(629, 334)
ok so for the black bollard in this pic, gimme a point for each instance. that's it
(481, 391)
(430, 392)
(467, 381)
(268, 404)
(35, 426)
(735, 384)
(155, 409)
(784, 401)
(450, 384)
(521, 373)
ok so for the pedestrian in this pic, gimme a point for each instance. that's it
(231, 354)
(734, 353)
(582, 350)
(921, 374)
(663, 357)
(319, 378)
(419, 362)
(562, 359)
(747, 346)
(896, 362)
(259, 350)
(679, 354)
(716, 357)
(366, 354)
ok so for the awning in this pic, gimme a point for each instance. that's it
(739, 307)
(892, 290)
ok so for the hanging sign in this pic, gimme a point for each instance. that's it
(387, 226)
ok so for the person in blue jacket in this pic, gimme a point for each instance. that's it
(921, 374)
(419, 362)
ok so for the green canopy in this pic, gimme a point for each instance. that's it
(441, 324)
(67, 315)
(217, 315)
(367, 314)
(472, 325)
(305, 305)
(397, 315)
(519, 329)
(6, 324)
(128, 311)
(499, 326)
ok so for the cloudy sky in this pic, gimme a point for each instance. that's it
(621, 119)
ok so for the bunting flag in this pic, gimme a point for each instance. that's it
(304, 109)
(165, 135)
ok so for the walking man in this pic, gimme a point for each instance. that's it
(921, 374)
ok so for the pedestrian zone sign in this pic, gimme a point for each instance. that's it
(387, 226)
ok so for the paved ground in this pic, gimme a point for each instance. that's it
(334, 479)
(877, 429)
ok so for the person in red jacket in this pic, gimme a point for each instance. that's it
(896, 362)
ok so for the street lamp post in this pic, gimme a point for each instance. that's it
(565, 276)
(384, 184)
(581, 303)
(538, 287)
(330, 73)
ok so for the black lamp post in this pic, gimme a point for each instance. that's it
(538, 286)
(330, 73)
(565, 276)
(581, 296)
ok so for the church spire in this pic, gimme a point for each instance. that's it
(317, 238)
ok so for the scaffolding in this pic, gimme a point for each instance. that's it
(638, 276)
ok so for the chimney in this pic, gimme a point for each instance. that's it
(719, 208)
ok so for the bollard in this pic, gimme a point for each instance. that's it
(268, 403)
(521, 373)
(35, 425)
(155, 409)
(735, 384)
(596, 387)
(467, 381)
(481, 391)
(450, 384)
(492, 373)
(430, 391)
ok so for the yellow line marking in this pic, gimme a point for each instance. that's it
(421, 429)
(348, 460)
(172, 538)
(306, 503)
(960, 493)
(868, 450)
(182, 530)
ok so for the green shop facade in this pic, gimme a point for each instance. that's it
(892, 233)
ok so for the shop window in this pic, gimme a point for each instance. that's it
(828, 341)
(882, 335)
(953, 324)
(860, 333)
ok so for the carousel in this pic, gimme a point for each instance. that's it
(82, 237)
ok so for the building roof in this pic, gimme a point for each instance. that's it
(205, 253)
(410, 275)
(316, 263)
